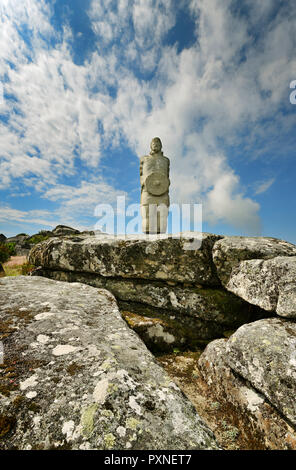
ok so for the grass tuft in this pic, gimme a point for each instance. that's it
(18, 270)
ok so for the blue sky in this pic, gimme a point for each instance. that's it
(88, 83)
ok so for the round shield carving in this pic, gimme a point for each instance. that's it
(157, 183)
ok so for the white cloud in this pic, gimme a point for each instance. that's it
(109, 19)
(33, 13)
(53, 117)
(84, 197)
(152, 19)
(14, 15)
(77, 204)
(226, 204)
(207, 92)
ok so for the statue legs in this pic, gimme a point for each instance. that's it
(154, 218)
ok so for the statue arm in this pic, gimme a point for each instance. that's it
(141, 172)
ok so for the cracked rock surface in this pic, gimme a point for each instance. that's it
(76, 377)
(258, 421)
(187, 258)
(264, 354)
(229, 251)
(269, 284)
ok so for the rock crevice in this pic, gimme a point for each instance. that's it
(172, 284)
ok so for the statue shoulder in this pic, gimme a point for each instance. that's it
(143, 158)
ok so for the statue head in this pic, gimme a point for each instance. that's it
(155, 145)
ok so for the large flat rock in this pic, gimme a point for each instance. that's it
(181, 258)
(76, 377)
(264, 353)
(269, 284)
(230, 251)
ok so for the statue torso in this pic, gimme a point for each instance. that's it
(154, 179)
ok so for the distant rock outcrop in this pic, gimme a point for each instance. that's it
(21, 245)
(61, 230)
(23, 242)
(76, 377)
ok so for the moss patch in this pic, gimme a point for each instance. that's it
(5, 390)
(32, 406)
(181, 365)
(18, 401)
(7, 423)
(15, 367)
(6, 329)
(73, 368)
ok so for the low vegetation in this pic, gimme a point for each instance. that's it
(19, 265)
(15, 265)
(37, 238)
(18, 270)
(6, 251)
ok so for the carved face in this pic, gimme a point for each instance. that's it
(155, 145)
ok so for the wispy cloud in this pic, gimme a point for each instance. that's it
(263, 186)
(23, 218)
(134, 86)
(82, 200)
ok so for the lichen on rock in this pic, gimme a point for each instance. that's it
(110, 400)
(249, 407)
(264, 353)
(230, 251)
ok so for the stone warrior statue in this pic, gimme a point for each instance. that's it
(154, 178)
